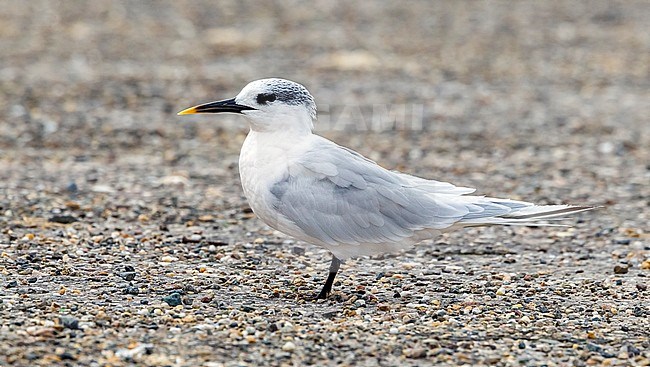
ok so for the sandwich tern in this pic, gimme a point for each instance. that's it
(312, 189)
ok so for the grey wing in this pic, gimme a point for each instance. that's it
(339, 197)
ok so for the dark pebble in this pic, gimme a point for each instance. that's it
(443, 351)
(134, 291)
(69, 322)
(72, 188)
(63, 219)
(67, 356)
(253, 261)
(297, 250)
(522, 345)
(210, 242)
(32, 280)
(247, 308)
(594, 347)
(542, 309)
(638, 311)
(36, 290)
(128, 275)
(622, 241)
(189, 289)
(641, 286)
(144, 302)
(380, 275)
(12, 284)
(173, 299)
(190, 240)
(632, 350)
(604, 232)
(330, 314)
(620, 269)
(607, 354)
(206, 299)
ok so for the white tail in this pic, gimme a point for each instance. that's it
(526, 214)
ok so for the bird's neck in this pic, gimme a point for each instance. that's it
(293, 122)
(284, 139)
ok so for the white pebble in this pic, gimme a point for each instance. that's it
(289, 347)
(288, 327)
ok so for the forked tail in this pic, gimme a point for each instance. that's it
(523, 214)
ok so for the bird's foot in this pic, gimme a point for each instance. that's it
(327, 288)
(322, 294)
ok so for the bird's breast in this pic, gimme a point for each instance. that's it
(264, 160)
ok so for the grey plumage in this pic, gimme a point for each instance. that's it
(343, 199)
(310, 188)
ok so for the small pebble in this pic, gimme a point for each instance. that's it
(289, 347)
(128, 275)
(134, 291)
(69, 322)
(297, 250)
(67, 356)
(618, 269)
(416, 353)
(173, 299)
(63, 219)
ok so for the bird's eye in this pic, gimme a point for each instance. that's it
(264, 98)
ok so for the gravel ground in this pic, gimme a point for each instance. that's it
(125, 238)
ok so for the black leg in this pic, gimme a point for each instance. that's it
(327, 288)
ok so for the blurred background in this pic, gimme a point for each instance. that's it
(545, 101)
(489, 92)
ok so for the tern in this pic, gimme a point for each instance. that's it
(317, 191)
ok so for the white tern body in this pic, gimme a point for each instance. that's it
(317, 191)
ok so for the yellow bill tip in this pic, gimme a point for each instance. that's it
(188, 111)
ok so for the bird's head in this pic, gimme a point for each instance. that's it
(269, 105)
